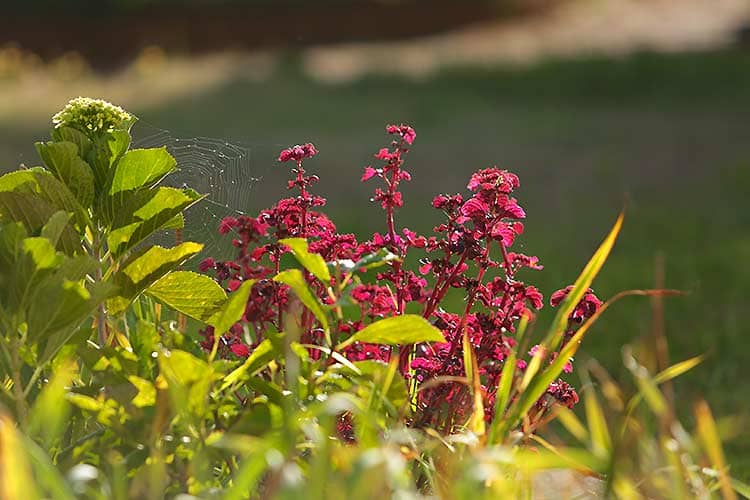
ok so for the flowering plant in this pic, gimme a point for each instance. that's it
(470, 252)
(311, 378)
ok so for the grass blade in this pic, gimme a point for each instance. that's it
(592, 268)
(709, 436)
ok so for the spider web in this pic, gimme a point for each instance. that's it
(220, 170)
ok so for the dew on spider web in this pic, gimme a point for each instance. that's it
(218, 169)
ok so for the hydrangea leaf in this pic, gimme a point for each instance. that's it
(140, 216)
(63, 160)
(32, 196)
(141, 168)
(68, 134)
(192, 294)
(145, 268)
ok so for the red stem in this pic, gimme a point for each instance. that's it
(437, 296)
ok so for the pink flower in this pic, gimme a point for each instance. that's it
(587, 307)
(206, 264)
(227, 224)
(406, 132)
(369, 174)
(240, 350)
(298, 152)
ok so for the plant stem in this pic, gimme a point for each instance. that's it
(101, 323)
(18, 392)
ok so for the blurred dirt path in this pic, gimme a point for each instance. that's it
(569, 29)
(31, 90)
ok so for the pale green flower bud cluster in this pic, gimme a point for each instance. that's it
(92, 116)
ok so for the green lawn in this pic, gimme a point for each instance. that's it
(667, 136)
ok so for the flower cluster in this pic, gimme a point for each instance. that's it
(92, 116)
(469, 253)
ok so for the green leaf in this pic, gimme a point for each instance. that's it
(156, 258)
(142, 214)
(192, 294)
(105, 151)
(476, 420)
(502, 396)
(141, 167)
(545, 377)
(145, 268)
(369, 261)
(677, 369)
(313, 262)
(49, 477)
(84, 402)
(62, 159)
(296, 281)
(189, 380)
(597, 424)
(398, 330)
(49, 416)
(232, 310)
(68, 134)
(263, 354)
(58, 307)
(709, 438)
(581, 285)
(740, 487)
(32, 196)
(55, 226)
(16, 479)
(42, 253)
(146, 392)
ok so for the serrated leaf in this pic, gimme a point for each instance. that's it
(32, 196)
(63, 160)
(135, 221)
(104, 153)
(144, 268)
(398, 330)
(68, 134)
(296, 281)
(55, 226)
(192, 294)
(141, 168)
(232, 310)
(156, 257)
(313, 262)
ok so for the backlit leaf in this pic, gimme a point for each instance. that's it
(405, 329)
(192, 294)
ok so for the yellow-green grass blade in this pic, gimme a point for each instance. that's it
(709, 437)
(581, 285)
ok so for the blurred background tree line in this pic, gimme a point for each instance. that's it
(596, 105)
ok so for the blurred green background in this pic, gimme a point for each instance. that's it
(663, 133)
